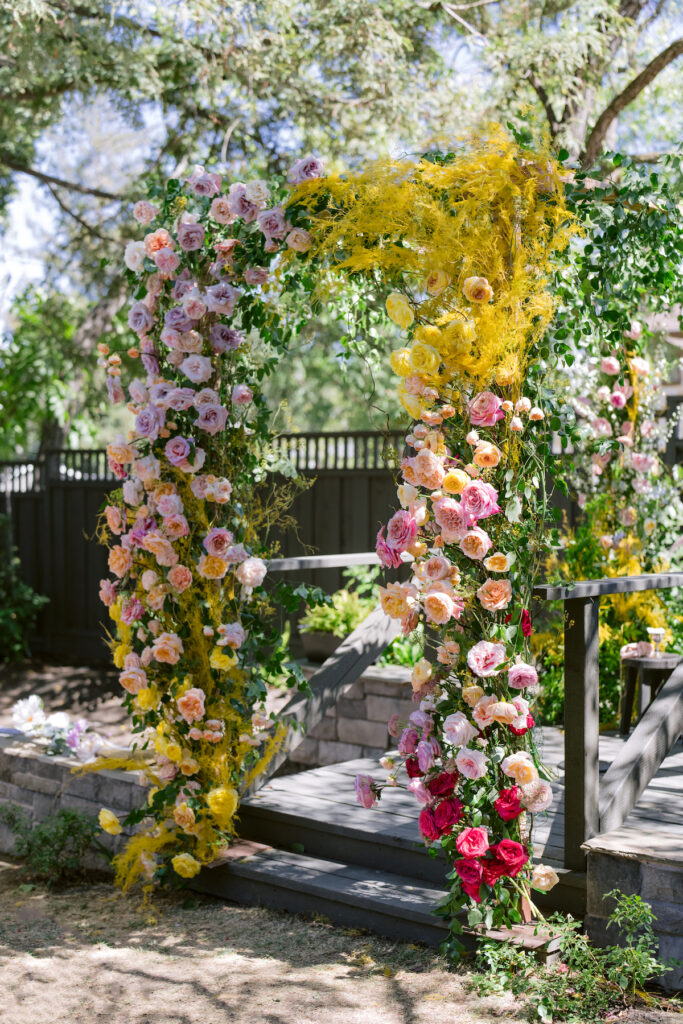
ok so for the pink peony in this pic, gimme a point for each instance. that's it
(486, 659)
(537, 796)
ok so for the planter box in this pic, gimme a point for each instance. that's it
(319, 646)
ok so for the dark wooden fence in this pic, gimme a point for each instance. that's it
(53, 505)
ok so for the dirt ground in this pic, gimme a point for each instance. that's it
(86, 955)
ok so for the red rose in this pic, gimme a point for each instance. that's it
(525, 623)
(443, 784)
(470, 872)
(507, 804)
(511, 854)
(427, 825)
(413, 768)
(447, 814)
(492, 870)
(529, 725)
(473, 842)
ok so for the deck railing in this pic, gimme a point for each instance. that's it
(590, 806)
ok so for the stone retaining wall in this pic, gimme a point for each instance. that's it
(357, 725)
(41, 785)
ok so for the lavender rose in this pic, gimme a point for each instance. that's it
(140, 319)
(190, 236)
(306, 169)
(212, 418)
(239, 204)
(221, 298)
(177, 450)
(178, 320)
(224, 339)
(272, 222)
(149, 422)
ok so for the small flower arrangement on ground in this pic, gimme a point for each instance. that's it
(61, 733)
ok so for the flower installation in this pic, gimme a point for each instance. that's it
(462, 246)
(187, 590)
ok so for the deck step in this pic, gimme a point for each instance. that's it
(315, 813)
(382, 902)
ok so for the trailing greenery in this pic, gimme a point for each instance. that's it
(586, 981)
(54, 848)
(19, 603)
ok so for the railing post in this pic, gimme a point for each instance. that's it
(581, 727)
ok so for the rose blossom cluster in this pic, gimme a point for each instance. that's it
(475, 697)
(182, 574)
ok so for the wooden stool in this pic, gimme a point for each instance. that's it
(651, 672)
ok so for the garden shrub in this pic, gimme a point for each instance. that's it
(19, 603)
(53, 849)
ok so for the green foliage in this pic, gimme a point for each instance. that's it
(346, 611)
(19, 603)
(54, 848)
(586, 981)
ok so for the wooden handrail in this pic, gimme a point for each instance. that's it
(640, 757)
(328, 561)
(611, 585)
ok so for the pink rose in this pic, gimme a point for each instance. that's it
(144, 212)
(167, 260)
(233, 634)
(610, 365)
(495, 595)
(191, 705)
(212, 418)
(217, 541)
(407, 744)
(522, 675)
(482, 712)
(251, 572)
(387, 555)
(458, 730)
(365, 791)
(485, 410)
(471, 763)
(175, 526)
(401, 530)
(239, 204)
(486, 659)
(107, 593)
(180, 578)
(299, 240)
(601, 427)
(479, 500)
(537, 796)
(449, 515)
(133, 679)
(196, 368)
(425, 755)
(131, 611)
(177, 449)
(241, 395)
(273, 223)
(307, 168)
(617, 400)
(190, 236)
(473, 842)
(256, 275)
(169, 504)
(221, 298)
(204, 183)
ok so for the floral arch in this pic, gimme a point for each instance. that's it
(460, 247)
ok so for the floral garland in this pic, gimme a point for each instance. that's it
(186, 552)
(464, 243)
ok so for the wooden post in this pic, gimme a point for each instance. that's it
(581, 727)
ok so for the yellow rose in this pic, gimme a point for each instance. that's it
(109, 822)
(398, 310)
(220, 660)
(148, 699)
(424, 359)
(455, 481)
(222, 803)
(411, 403)
(120, 653)
(399, 360)
(437, 281)
(421, 674)
(472, 695)
(188, 765)
(497, 562)
(395, 600)
(173, 752)
(115, 610)
(477, 289)
(185, 865)
(211, 567)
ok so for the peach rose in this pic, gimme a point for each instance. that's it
(497, 563)
(120, 560)
(472, 695)
(180, 578)
(477, 289)
(487, 454)
(191, 705)
(211, 567)
(544, 878)
(397, 599)
(481, 712)
(475, 543)
(133, 679)
(158, 240)
(519, 767)
(428, 470)
(503, 712)
(183, 815)
(495, 595)
(160, 547)
(167, 648)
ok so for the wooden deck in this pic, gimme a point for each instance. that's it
(309, 847)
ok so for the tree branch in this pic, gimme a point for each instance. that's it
(538, 88)
(50, 179)
(632, 90)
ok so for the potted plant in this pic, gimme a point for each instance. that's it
(324, 627)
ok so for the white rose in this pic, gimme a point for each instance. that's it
(257, 192)
(134, 256)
